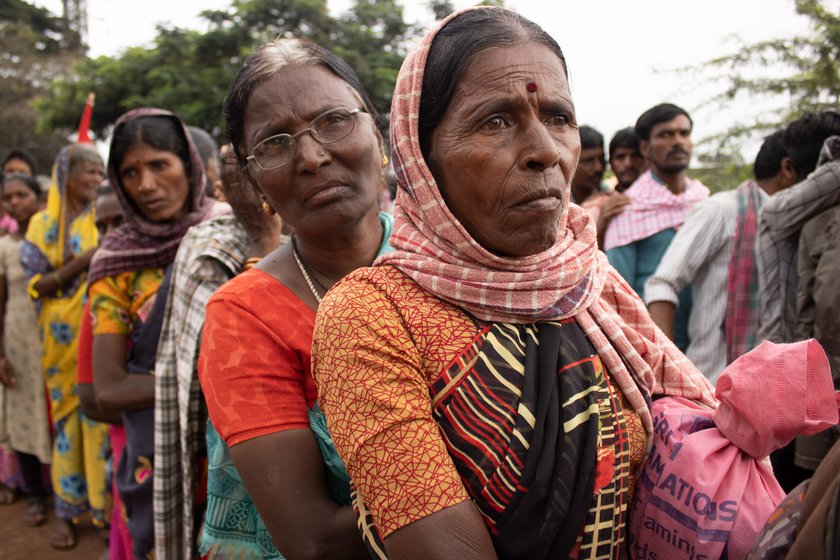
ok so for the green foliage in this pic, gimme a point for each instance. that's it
(35, 50)
(189, 72)
(801, 74)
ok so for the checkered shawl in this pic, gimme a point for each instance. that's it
(572, 279)
(654, 208)
(742, 295)
(138, 243)
(210, 254)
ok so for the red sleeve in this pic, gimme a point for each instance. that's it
(84, 368)
(254, 362)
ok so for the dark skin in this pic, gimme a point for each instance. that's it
(669, 151)
(157, 182)
(327, 194)
(108, 217)
(589, 173)
(664, 313)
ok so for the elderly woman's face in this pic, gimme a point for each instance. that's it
(324, 185)
(506, 149)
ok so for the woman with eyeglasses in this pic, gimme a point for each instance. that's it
(306, 133)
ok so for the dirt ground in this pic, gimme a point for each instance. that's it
(19, 542)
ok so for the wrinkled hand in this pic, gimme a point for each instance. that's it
(7, 376)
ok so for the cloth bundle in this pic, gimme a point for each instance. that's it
(707, 489)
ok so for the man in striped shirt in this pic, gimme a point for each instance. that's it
(699, 256)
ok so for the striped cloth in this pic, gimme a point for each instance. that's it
(654, 208)
(742, 296)
(699, 256)
(571, 279)
(210, 254)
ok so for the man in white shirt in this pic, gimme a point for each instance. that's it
(700, 254)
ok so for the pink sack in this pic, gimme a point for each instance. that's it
(707, 489)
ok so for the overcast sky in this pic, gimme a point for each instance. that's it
(621, 54)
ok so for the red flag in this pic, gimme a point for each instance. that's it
(84, 124)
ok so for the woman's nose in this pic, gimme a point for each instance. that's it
(310, 155)
(540, 150)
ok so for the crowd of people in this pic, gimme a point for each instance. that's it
(251, 352)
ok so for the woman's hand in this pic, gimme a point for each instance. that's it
(7, 375)
(52, 282)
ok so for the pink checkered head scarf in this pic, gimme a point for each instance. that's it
(571, 279)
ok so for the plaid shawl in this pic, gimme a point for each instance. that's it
(572, 279)
(742, 293)
(139, 243)
(654, 208)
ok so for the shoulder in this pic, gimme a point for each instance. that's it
(252, 290)
(717, 207)
(822, 224)
(385, 285)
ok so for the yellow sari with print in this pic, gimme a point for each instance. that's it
(81, 445)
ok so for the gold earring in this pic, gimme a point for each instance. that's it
(267, 210)
(384, 161)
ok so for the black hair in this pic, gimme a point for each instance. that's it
(457, 44)
(22, 155)
(624, 138)
(661, 113)
(158, 131)
(590, 138)
(268, 61)
(768, 162)
(31, 182)
(804, 137)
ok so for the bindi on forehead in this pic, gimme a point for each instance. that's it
(531, 87)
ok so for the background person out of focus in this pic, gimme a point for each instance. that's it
(15, 162)
(188, 450)
(586, 183)
(159, 178)
(60, 243)
(780, 223)
(627, 165)
(661, 199)
(209, 151)
(700, 255)
(24, 423)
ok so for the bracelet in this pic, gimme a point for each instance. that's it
(250, 263)
(58, 279)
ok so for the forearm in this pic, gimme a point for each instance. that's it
(663, 314)
(91, 409)
(119, 391)
(52, 282)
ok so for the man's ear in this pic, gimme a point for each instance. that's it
(787, 172)
(644, 147)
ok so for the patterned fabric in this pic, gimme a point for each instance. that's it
(139, 243)
(554, 451)
(210, 254)
(23, 408)
(742, 295)
(118, 301)
(570, 279)
(8, 224)
(375, 372)
(78, 471)
(653, 208)
(53, 238)
(779, 223)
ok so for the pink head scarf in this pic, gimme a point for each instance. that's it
(570, 279)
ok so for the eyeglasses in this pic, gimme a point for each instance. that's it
(278, 150)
